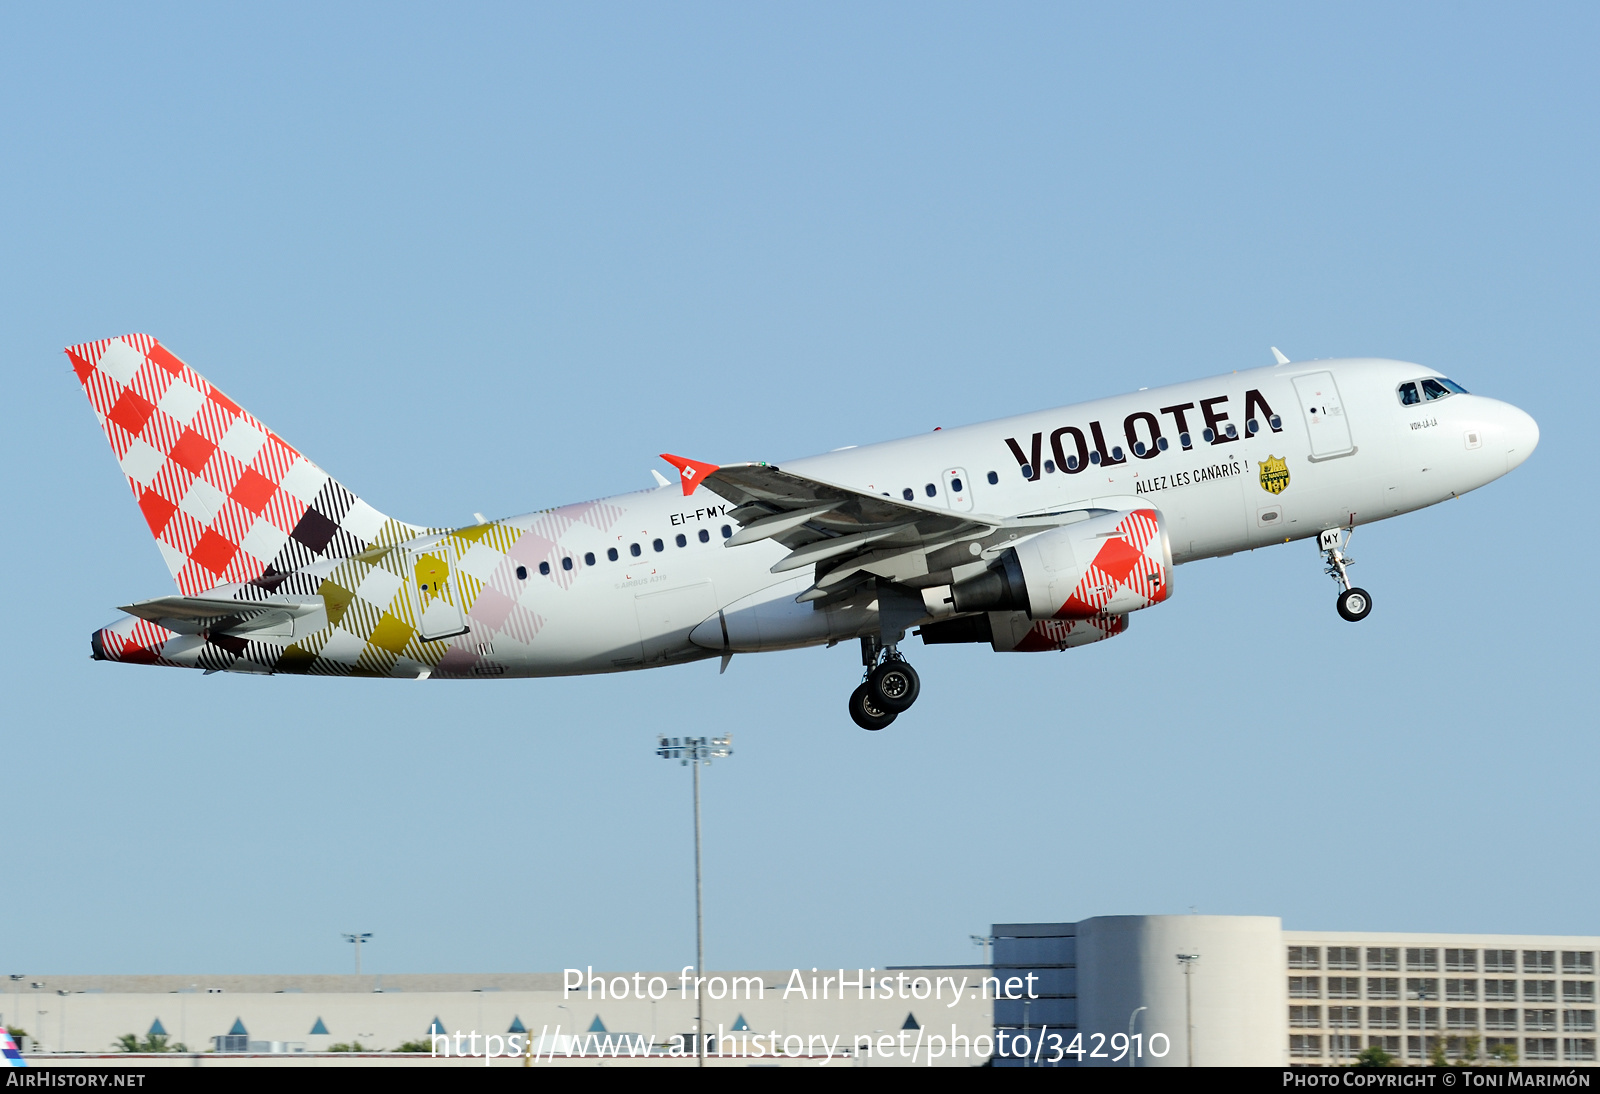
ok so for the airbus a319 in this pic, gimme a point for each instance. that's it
(1038, 532)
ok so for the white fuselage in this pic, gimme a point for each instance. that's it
(1352, 452)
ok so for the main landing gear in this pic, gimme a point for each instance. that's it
(890, 686)
(1354, 604)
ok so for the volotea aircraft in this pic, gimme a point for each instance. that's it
(1039, 532)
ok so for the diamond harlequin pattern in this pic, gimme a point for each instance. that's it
(239, 514)
(1129, 565)
(204, 471)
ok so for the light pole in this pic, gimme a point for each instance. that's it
(17, 978)
(1422, 1019)
(986, 941)
(1132, 1018)
(358, 939)
(1187, 960)
(692, 752)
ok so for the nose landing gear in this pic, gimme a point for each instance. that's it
(1354, 604)
(890, 687)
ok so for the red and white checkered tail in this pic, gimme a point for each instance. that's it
(227, 499)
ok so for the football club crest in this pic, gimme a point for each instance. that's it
(1274, 475)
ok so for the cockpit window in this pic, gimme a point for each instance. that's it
(1440, 388)
(1408, 395)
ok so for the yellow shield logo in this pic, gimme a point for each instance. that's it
(1274, 475)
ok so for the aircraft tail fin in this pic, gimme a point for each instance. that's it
(9, 1051)
(227, 499)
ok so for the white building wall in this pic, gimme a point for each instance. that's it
(1126, 962)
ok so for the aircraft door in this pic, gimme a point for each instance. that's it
(435, 592)
(957, 490)
(1326, 424)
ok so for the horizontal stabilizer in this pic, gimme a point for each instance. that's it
(281, 619)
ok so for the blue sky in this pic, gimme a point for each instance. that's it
(496, 260)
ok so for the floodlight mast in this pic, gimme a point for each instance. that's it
(1187, 960)
(358, 938)
(692, 752)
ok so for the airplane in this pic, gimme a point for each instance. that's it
(1043, 531)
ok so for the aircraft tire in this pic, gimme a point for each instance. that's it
(894, 686)
(866, 713)
(1355, 605)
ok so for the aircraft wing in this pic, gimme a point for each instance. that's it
(849, 535)
(804, 514)
(846, 535)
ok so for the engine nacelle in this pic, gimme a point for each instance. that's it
(1107, 565)
(1014, 632)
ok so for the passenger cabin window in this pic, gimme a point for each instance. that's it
(566, 563)
(705, 536)
(522, 573)
(633, 549)
(1072, 463)
(658, 545)
(544, 568)
(908, 493)
(931, 490)
(1049, 467)
(955, 484)
(682, 540)
(588, 558)
(727, 531)
(994, 478)
(611, 553)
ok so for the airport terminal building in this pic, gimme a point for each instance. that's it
(1114, 991)
(1251, 992)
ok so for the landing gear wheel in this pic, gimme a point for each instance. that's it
(866, 712)
(1355, 605)
(894, 686)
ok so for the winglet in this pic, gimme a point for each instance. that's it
(692, 471)
(1282, 360)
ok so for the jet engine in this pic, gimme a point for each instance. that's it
(1014, 632)
(1107, 565)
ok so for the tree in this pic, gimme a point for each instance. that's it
(155, 1042)
(1469, 1050)
(351, 1046)
(1504, 1053)
(1438, 1057)
(1374, 1056)
(415, 1046)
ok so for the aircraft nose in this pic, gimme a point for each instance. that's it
(1521, 434)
